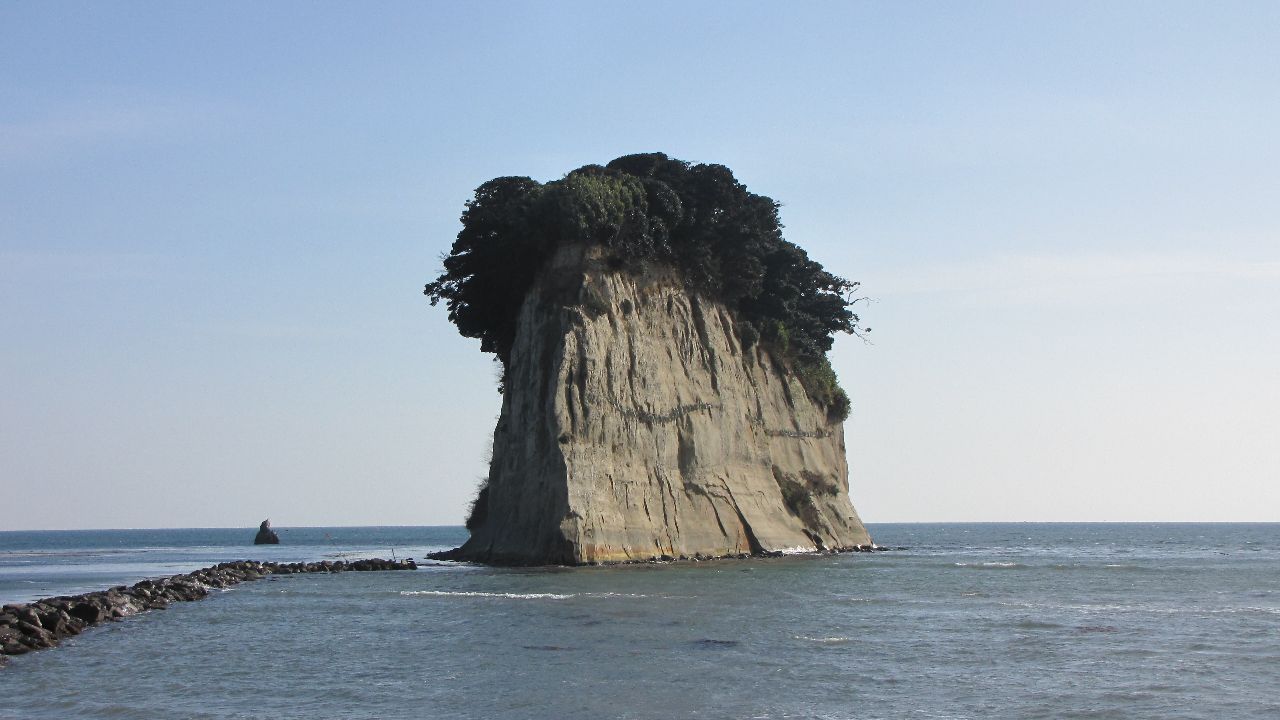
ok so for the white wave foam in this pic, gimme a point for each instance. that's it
(824, 640)
(1150, 608)
(798, 550)
(1250, 609)
(516, 596)
(509, 596)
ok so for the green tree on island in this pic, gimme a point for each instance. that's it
(725, 240)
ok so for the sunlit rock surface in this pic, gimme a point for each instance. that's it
(635, 426)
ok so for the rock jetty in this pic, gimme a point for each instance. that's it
(266, 536)
(45, 623)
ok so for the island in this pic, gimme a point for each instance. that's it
(666, 392)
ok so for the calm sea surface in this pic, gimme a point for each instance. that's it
(970, 621)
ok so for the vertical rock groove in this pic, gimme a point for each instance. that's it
(602, 409)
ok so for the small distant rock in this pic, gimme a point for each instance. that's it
(266, 536)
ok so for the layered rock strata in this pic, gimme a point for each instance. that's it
(45, 623)
(635, 425)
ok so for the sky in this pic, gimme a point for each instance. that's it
(216, 220)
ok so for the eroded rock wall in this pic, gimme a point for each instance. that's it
(635, 426)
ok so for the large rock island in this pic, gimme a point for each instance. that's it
(652, 408)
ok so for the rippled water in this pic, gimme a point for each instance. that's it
(971, 621)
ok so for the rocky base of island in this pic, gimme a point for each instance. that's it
(45, 623)
(459, 555)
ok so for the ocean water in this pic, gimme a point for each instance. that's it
(969, 621)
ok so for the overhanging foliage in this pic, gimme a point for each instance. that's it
(726, 241)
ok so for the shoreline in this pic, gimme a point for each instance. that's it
(45, 623)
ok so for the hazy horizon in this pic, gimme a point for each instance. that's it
(278, 528)
(216, 222)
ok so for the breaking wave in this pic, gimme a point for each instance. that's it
(825, 640)
(514, 596)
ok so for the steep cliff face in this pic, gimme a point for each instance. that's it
(635, 426)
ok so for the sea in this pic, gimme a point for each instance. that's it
(1005, 620)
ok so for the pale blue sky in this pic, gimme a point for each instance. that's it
(216, 220)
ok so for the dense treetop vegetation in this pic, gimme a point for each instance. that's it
(726, 242)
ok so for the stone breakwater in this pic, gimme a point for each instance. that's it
(45, 623)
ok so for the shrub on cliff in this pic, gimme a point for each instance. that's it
(726, 241)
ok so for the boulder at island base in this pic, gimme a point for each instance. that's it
(635, 425)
